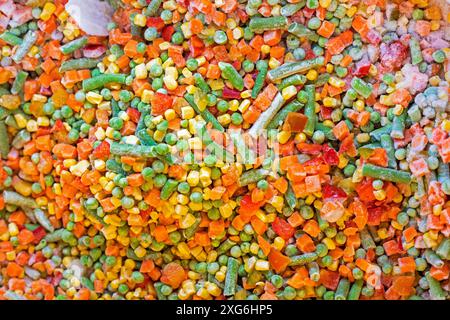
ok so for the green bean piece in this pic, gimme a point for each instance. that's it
(366, 240)
(14, 198)
(114, 166)
(246, 153)
(443, 250)
(290, 68)
(11, 38)
(259, 25)
(205, 113)
(124, 149)
(201, 83)
(294, 80)
(291, 199)
(326, 130)
(21, 138)
(443, 172)
(398, 126)
(168, 188)
(279, 118)
(30, 214)
(43, 220)
(78, 64)
(213, 279)
(303, 259)
(376, 134)
(266, 116)
(436, 291)
(260, 78)
(212, 146)
(19, 81)
(225, 246)
(361, 87)
(388, 145)
(189, 232)
(322, 79)
(314, 271)
(416, 53)
(4, 141)
(74, 45)
(115, 108)
(369, 170)
(55, 236)
(231, 277)
(433, 259)
(102, 80)
(355, 290)
(252, 176)
(141, 131)
(11, 295)
(230, 73)
(152, 8)
(342, 289)
(145, 138)
(310, 110)
(291, 8)
(158, 286)
(28, 41)
(302, 31)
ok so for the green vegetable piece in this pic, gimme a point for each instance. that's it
(102, 80)
(361, 87)
(259, 25)
(231, 277)
(230, 73)
(310, 110)
(74, 45)
(22, 50)
(291, 68)
(369, 170)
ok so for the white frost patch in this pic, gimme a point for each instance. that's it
(92, 16)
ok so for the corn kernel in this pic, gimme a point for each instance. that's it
(274, 63)
(289, 92)
(262, 265)
(312, 75)
(140, 20)
(94, 98)
(283, 137)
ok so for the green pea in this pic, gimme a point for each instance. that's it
(177, 38)
(150, 34)
(192, 64)
(162, 149)
(314, 23)
(236, 118)
(248, 66)
(156, 70)
(417, 14)
(116, 123)
(166, 15)
(157, 83)
(210, 160)
(289, 293)
(196, 197)
(318, 137)
(222, 106)
(158, 166)
(214, 214)
(66, 111)
(127, 202)
(439, 56)
(220, 37)
(160, 180)
(349, 170)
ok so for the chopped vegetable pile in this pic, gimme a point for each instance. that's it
(225, 149)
